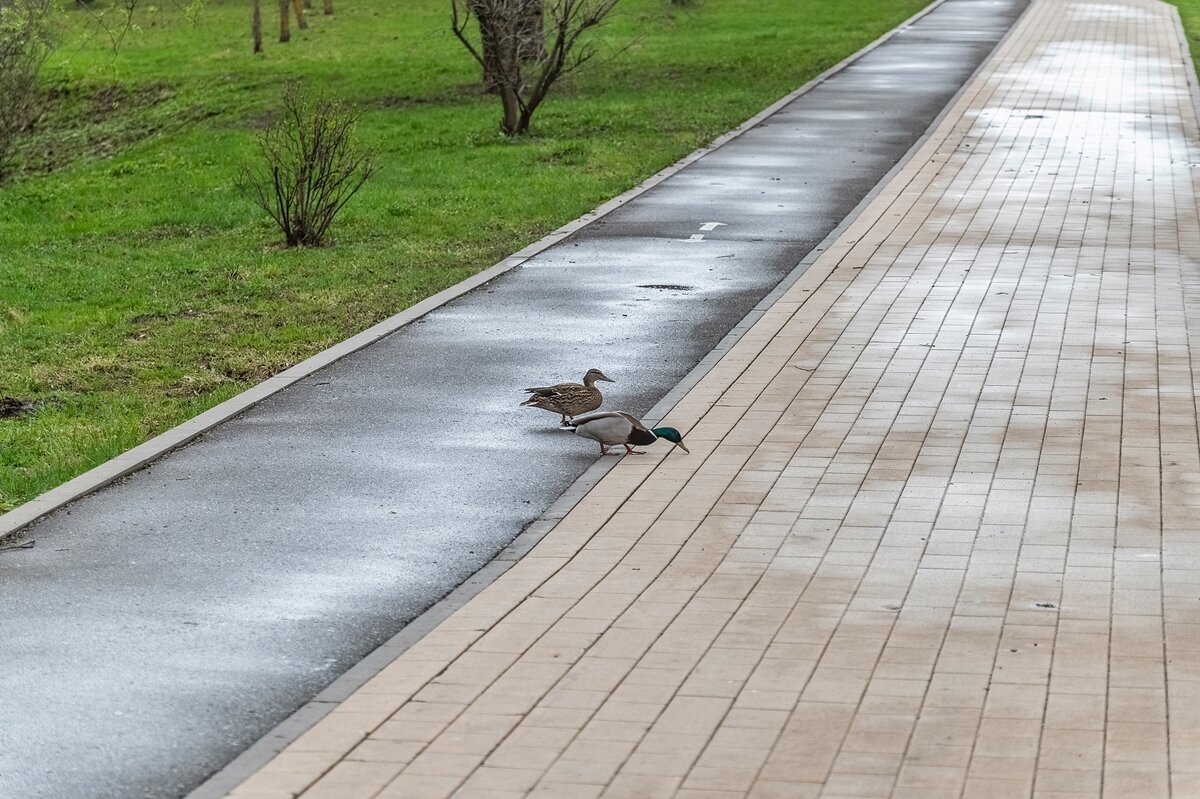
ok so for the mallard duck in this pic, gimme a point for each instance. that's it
(610, 428)
(569, 399)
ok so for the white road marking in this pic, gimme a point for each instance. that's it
(707, 226)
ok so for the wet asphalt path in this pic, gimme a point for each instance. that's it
(162, 625)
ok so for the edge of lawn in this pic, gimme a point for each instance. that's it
(1185, 43)
(221, 782)
(17, 519)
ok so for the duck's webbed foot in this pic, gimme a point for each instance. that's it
(631, 451)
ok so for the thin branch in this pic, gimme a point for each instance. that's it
(460, 26)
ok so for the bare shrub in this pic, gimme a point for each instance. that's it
(25, 41)
(310, 167)
(525, 46)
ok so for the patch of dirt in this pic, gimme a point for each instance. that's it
(262, 120)
(112, 100)
(100, 103)
(253, 373)
(97, 121)
(463, 92)
(11, 407)
(404, 101)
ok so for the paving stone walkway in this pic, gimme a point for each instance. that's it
(939, 535)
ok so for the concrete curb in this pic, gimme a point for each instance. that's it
(15, 520)
(271, 744)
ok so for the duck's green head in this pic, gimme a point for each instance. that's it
(672, 435)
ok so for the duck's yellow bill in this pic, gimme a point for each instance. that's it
(682, 446)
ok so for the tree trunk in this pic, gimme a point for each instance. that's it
(511, 124)
(285, 22)
(256, 26)
(491, 47)
(300, 18)
(328, 6)
(523, 122)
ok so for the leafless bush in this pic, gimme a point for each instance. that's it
(525, 46)
(311, 167)
(25, 41)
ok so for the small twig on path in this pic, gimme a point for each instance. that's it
(21, 545)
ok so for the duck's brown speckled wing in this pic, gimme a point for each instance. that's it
(576, 399)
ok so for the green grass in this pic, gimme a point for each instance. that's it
(137, 287)
(1189, 13)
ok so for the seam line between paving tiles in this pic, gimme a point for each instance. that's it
(1023, 160)
(1008, 597)
(998, 638)
(1092, 387)
(1191, 125)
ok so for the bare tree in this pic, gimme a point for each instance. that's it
(25, 41)
(522, 63)
(310, 167)
(531, 32)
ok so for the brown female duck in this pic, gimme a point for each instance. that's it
(569, 399)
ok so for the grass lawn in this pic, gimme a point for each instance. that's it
(1189, 12)
(138, 288)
